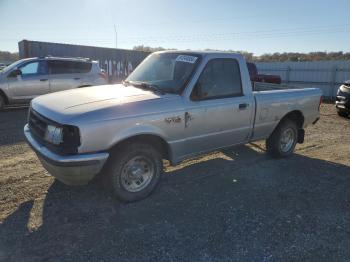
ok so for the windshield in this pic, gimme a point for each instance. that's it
(11, 66)
(169, 72)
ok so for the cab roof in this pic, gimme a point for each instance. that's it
(203, 53)
(78, 59)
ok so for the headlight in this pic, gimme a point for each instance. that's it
(54, 134)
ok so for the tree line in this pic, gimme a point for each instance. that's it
(8, 56)
(274, 57)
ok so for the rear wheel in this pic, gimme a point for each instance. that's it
(133, 171)
(283, 140)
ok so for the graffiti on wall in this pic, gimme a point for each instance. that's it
(117, 63)
(116, 70)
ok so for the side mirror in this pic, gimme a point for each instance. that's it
(15, 73)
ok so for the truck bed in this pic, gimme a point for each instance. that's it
(257, 86)
(273, 102)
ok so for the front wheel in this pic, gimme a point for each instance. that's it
(283, 140)
(133, 171)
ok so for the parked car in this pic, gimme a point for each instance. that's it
(256, 77)
(343, 99)
(175, 105)
(27, 78)
(2, 66)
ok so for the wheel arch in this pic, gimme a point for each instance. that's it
(2, 93)
(297, 117)
(149, 138)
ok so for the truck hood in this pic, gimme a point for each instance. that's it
(64, 106)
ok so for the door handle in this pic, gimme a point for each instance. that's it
(243, 106)
(44, 79)
(76, 78)
(188, 118)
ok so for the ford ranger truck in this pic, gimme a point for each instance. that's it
(175, 105)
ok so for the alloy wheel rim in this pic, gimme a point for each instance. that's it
(137, 174)
(287, 140)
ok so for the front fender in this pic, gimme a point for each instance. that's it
(136, 131)
(101, 136)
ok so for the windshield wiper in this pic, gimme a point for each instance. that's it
(145, 85)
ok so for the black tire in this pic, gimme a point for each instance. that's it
(2, 102)
(115, 171)
(274, 144)
(343, 114)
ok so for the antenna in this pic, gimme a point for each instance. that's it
(116, 36)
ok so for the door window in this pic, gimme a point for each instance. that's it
(220, 78)
(69, 67)
(33, 68)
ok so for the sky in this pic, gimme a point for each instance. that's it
(249, 25)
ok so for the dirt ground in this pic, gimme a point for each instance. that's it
(235, 205)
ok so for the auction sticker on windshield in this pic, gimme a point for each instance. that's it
(186, 59)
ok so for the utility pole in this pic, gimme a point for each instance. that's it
(116, 36)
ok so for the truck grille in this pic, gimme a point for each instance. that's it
(71, 137)
(37, 125)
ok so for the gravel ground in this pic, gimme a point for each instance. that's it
(234, 205)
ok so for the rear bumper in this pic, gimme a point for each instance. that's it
(71, 170)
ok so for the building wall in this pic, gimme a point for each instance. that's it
(326, 75)
(118, 63)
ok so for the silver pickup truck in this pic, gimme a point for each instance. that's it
(175, 105)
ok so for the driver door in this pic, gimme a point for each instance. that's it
(32, 82)
(219, 114)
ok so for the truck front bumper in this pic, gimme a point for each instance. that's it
(72, 169)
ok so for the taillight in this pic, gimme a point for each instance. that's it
(103, 75)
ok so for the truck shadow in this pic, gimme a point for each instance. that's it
(245, 205)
